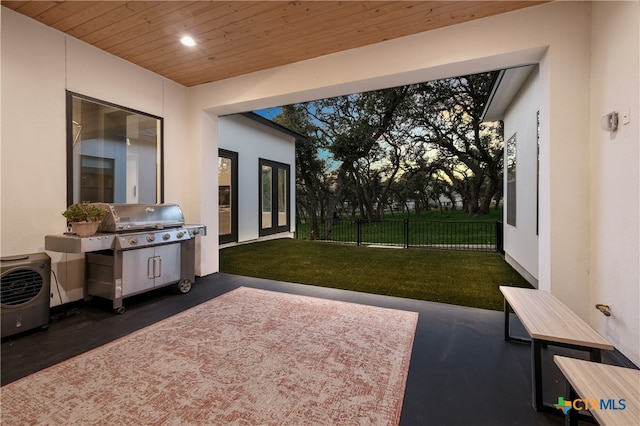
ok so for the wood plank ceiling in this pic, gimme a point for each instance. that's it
(240, 37)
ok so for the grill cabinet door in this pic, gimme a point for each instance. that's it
(167, 264)
(136, 273)
(143, 269)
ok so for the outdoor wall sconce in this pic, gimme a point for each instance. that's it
(609, 122)
(605, 309)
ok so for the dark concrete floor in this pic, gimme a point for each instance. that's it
(462, 371)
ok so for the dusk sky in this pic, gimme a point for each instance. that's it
(269, 112)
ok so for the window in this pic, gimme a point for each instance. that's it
(114, 153)
(274, 197)
(537, 172)
(227, 196)
(511, 180)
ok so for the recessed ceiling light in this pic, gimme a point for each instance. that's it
(188, 41)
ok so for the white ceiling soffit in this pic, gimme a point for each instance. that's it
(507, 85)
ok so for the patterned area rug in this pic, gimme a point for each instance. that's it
(248, 357)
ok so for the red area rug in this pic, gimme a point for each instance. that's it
(248, 357)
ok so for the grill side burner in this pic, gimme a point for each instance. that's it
(138, 248)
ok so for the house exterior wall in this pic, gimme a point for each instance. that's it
(576, 80)
(614, 277)
(521, 240)
(252, 141)
(38, 65)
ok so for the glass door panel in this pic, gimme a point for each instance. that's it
(282, 197)
(265, 197)
(227, 196)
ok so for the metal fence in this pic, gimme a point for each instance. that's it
(476, 236)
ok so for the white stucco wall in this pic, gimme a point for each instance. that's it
(252, 141)
(615, 175)
(521, 241)
(38, 65)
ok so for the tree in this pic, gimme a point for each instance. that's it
(353, 127)
(311, 171)
(470, 151)
(414, 143)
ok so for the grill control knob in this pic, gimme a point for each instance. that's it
(133, 240)
(166, 237)
(151, 238)
(180, 234)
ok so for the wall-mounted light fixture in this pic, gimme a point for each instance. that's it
(609, 122)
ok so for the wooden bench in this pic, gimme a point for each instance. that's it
(618, 387)
(549, 322)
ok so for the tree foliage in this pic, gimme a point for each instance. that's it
(469, 152)
(312, 188)
(415, 145)
(358, 130)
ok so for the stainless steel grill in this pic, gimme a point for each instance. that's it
(138, 247)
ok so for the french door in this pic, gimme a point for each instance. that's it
(275, 188)
(227, 196)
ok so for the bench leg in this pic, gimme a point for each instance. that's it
(572, 416)
(507, 325)
(507, 309)
(536, 374)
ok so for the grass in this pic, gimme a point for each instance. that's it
(455, 277)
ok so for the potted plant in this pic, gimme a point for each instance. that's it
(85, 217)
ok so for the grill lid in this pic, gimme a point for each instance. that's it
(135, 217)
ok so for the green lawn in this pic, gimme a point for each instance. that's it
(455, 277)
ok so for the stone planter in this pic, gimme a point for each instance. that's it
(85, 229)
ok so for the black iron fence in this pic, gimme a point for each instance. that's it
(477, 236)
